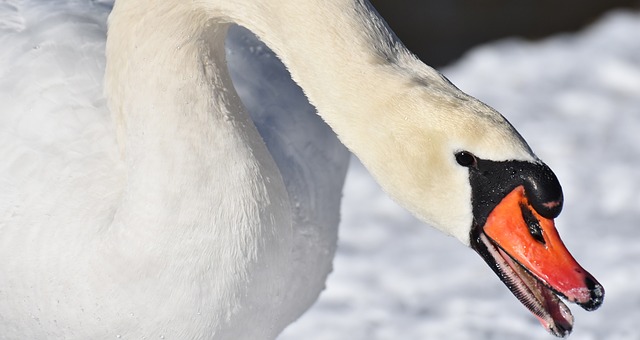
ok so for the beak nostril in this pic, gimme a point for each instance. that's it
(534, 225)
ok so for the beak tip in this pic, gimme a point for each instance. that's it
(561, 331)
(596, 294)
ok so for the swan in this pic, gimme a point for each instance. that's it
(175, 214)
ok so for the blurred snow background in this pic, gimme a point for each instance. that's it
(576, 99)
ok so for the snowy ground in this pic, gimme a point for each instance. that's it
(576, 99)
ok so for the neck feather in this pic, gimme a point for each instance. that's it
(202, 188)
(382, 102)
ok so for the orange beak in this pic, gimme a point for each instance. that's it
(540, 264)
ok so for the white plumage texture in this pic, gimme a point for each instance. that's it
(62, 174)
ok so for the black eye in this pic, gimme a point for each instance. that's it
(466, 159)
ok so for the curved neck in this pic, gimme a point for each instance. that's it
(201, 185)
(189, 143)
(340, 52)
(382, 102)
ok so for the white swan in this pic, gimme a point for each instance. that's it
(192, 228)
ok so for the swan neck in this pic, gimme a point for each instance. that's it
(341, 53)
(201, 185)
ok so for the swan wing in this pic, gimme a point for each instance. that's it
(54, 125)
(62, 176)
(311, 159)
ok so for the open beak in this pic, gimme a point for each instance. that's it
(526, 252)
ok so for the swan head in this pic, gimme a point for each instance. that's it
(459, 166)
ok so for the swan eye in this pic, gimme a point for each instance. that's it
(466, 159)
